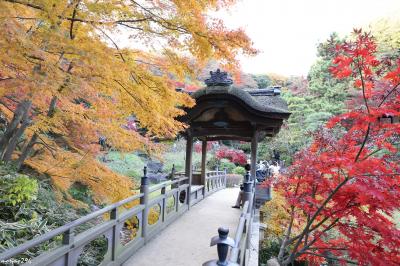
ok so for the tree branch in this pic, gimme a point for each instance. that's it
(387, 95)
(331, 258)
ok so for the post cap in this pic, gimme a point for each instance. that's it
(222, 238)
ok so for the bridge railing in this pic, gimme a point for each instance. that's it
(164, 203)
(215, 180)
(240, 246)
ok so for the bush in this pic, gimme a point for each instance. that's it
(178, 159)
(212, 163)
(130, 164)
(239, 170)
(16, 189)
(81, 192)
(225, 163)
(269, 249)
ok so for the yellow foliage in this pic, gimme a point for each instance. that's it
(277, 216)
(68, 50)
(66, 167)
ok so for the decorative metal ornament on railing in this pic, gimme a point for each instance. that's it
(218, 78)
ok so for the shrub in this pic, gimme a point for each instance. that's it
(212, 163)
(225, 163)
(235, 156)
(81, 192)
(239, 170)
(16, 189)
(178, 159)
(130, 164)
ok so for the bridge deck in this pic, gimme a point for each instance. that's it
(187, 240)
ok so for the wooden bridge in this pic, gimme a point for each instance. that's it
(185, 242)
(200, 201)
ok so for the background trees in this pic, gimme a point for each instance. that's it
(342, 190)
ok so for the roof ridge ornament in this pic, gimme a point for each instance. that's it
(219, 78)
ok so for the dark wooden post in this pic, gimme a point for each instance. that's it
(203, 162)
(115, 235)
(188, 165)
(253, 155)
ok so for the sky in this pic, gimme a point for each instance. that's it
(287, 31)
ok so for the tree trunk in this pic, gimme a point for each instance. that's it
(26, 151)
(14, 140)
(12, 127)
(29, 146)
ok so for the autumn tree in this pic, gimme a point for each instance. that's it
(342, 191)
(65, 80)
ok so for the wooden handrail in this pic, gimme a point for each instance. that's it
(62, 229)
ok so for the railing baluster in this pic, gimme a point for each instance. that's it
(164, 203)
(144, 188)
(68, 239)
(115, 235)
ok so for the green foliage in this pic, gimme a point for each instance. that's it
(269, 248)
(212, 163)
(178, 159)
(263, 81)
(81, 192)
(16, 233)
(225, 163)
(17, 189)
(33, 216)
(94, 252)
(245, 147)
(239, 170)
(129, 164)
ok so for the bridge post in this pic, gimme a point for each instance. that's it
(223, 243)
(253, 157)
(247, 189)
(144, 188)
(115, 235)
(225, 177)
(188, 165)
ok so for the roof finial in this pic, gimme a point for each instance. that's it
(218, 78)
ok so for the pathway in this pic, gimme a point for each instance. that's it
(186, 241)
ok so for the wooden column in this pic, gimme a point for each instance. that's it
(188, 164)
(253, 155)
(203, 162)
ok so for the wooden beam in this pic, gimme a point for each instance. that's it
(230, 132)
(215, 138)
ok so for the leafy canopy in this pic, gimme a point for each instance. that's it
(66, 52)
(343, 190)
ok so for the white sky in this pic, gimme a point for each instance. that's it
(288, 31)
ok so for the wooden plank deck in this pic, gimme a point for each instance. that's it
(187, 241)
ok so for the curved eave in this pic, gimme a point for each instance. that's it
(274, 107)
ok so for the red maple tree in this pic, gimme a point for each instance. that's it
(342, 191)
(235, 156)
